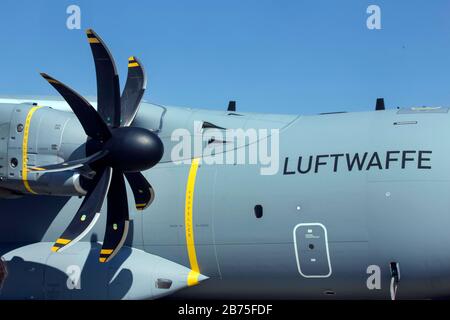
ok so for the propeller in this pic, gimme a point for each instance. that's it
(115, 151)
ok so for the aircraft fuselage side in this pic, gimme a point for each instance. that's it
(354, 194)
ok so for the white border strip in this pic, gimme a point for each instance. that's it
(326, 245)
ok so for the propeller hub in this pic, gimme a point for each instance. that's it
(132, 149)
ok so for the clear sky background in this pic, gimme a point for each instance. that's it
(301, 57)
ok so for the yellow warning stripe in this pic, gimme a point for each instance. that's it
(26, 131)
(102, 259)
(54, 249)
(106, 251)
(36, 169)
(63, 241)
(188, 221)
(93, 40)
(132, 63)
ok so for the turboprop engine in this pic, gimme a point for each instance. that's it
(99, 153)
(28, 138)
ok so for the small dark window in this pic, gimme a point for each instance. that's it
(14, 162)
(311, 246)
(19, 127)
(163, 283)
(258, 211)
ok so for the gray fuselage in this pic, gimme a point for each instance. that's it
(353, 194)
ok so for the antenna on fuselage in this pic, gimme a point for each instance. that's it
(231, 106)
(379, 106)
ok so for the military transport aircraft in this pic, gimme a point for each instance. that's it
(358, 208)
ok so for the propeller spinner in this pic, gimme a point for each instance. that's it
(115, 150)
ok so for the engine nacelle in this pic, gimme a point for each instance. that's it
(32, 135)
(34, 272)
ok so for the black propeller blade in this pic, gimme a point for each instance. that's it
(142, 190)
(119, 150)
(70, 165)
(117, 221)
(108, 89)
(133, 92)
(92, 123)
(88, 214)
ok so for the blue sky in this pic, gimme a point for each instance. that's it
(301, 57)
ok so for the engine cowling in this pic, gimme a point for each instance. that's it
(32, 135)
(37, 273)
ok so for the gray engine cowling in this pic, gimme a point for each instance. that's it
(32, 135)
(76, 274)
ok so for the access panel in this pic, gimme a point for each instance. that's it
(311, 250)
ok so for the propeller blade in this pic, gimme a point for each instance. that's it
(142, 190)
(70, 165)
(108, 89)
(117, 221)
(133, 92)
(88, 213)
(92, 123)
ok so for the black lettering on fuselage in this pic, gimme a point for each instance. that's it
(356, 159)
(374, 162)
(422, 159)
(336, 159)
(405, 157)
(389, 158)
(318, 163)
(299, 165)
(360, 161)
(285, 171)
